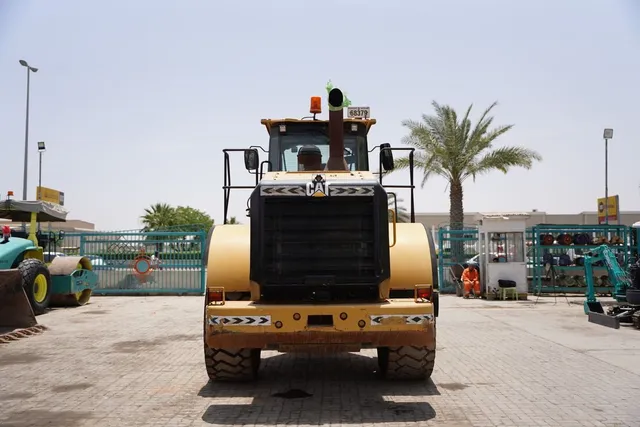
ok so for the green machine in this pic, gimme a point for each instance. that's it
(28, 284)
(626, 290)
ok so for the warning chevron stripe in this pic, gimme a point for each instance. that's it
(338, 190)
(282, 190)
(240, 320)
(409, 319)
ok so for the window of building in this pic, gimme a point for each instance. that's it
(506, 247)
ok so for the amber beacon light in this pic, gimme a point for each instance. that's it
(316, 105)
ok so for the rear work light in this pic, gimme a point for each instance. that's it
(423, 293)
(215, 295)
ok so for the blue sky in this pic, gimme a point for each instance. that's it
(137, 99)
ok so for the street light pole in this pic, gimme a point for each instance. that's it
(26, 130)
(608, 134)
(41, 149)
(40, 170)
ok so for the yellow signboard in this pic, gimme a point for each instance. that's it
(50, 195)
(613, 207)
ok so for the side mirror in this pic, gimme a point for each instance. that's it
(386, 157)
(251, 159)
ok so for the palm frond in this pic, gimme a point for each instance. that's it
(428, 163)
(503, 159)
(483, 123)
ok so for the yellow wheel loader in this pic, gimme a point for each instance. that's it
(323, 265)
(28, 284)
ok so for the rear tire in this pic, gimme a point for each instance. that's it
(407, 362)
(232, 364)
(37, 284)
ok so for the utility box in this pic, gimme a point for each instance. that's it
(502, 251)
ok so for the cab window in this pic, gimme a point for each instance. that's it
(309, 137)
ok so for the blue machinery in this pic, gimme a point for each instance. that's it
(626, 290)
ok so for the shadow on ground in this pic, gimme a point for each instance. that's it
(304, 389)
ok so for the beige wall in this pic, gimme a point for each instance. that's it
(439, 219)
(69, 225)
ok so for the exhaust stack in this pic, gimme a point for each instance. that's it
(336, 161)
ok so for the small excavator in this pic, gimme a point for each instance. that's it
(626, 290)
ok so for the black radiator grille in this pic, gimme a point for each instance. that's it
(313, 241)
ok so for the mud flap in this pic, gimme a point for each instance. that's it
(15, 309)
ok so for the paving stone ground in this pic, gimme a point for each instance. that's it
(138, 361)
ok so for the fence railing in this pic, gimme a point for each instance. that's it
(455, 248)
(171, 262)
(139, 262)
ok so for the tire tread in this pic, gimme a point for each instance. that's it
(30, 268)
(231, 364)
(409, 362)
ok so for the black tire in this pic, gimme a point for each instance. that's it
(407, 362)
(31, 268)
(232, 364)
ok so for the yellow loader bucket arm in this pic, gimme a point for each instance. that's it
(15, 309)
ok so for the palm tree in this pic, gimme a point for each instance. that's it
(158, 216)
(454, 150)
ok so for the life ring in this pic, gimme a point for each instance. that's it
(142, 265)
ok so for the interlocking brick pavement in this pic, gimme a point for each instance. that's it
(138, 361)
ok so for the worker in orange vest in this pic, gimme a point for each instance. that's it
(470, 278)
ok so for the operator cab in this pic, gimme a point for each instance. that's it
(313, 145)
(294, 144)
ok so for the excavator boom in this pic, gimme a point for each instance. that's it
(622, 283)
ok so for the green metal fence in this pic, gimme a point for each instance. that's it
(455, 248)
(557, 251)
(137, 262)
(566, 276)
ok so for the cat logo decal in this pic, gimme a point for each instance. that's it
(318, 187)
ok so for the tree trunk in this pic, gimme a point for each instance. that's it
(456, 220)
